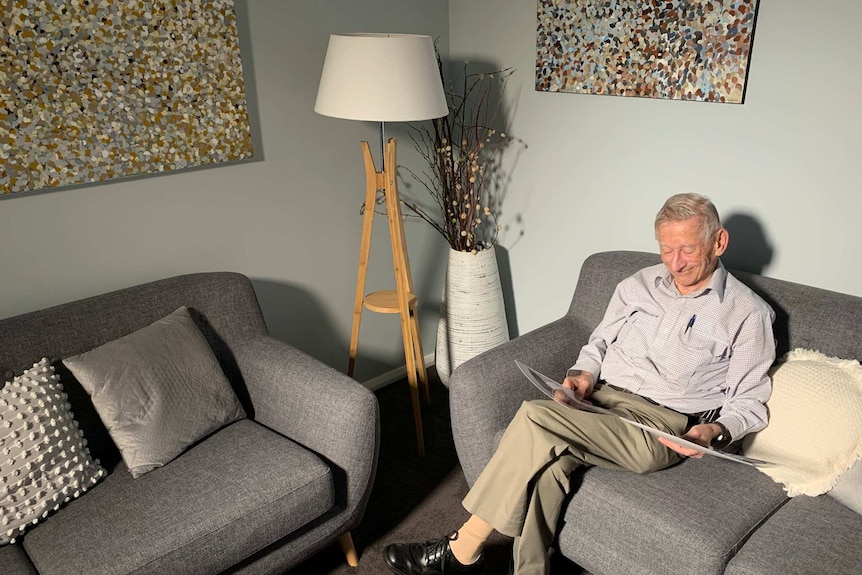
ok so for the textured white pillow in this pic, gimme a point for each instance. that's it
(45, 459)
(815, 422)
(157, 390)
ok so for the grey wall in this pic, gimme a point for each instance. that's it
(289, 219)
(782, 168)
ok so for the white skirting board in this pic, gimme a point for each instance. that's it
(394, 375)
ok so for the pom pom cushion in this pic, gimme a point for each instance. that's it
(45, 461)
(157, 390)
(815, 422)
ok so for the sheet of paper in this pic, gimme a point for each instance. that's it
(548, 386)
(690, 444)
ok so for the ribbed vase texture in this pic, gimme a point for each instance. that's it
(472, 314)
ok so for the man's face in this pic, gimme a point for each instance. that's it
(689, 260)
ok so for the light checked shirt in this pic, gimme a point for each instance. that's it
(692, 353)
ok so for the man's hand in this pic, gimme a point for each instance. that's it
(701, 434)
(581, 383)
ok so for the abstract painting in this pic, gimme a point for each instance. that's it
(678, 49)
(94, 90)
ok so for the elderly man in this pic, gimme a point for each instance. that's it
(683, 347)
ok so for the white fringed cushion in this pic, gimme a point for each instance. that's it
(815, 422)
(45, 461)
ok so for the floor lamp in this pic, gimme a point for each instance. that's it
(385, 78)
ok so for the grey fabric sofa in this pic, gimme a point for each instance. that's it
(703, 516)
(258, 496)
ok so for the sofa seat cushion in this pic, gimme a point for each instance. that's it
(238, 491)
(689, 518)
(13, 561)
(808, 535)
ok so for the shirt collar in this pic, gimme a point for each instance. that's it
(717, 282)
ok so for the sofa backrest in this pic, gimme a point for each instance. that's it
(223, 305)
(805, 316)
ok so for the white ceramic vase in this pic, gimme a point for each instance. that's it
(472, 314)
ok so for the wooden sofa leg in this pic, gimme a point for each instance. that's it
(346, 542)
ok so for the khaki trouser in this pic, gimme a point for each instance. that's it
(522, 489)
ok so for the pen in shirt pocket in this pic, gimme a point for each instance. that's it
(690, 324)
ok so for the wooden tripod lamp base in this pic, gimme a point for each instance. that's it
(401, 300)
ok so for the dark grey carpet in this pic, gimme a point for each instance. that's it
(414, 498)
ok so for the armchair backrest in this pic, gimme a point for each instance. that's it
(223, 305)
(806, 316)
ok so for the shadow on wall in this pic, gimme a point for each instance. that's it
(243, 29)
(505, 267)
(749, 249)
(296, 317)
(430, 292)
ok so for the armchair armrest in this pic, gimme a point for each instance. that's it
(320, 408)
(486, 391)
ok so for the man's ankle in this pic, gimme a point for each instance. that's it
(464, 551)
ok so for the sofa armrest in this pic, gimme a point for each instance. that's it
(486, 391)
(320, 408)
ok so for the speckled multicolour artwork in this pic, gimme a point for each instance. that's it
(678, 50)
(94, 90)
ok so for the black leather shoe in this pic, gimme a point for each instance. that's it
(429, 558)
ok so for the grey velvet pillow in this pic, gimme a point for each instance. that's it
(157, 390)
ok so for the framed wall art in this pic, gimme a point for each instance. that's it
(97, 90)
(678, 49)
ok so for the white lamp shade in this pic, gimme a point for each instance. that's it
(381, 78)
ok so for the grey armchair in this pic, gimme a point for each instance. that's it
(703, 516)
(258, 496)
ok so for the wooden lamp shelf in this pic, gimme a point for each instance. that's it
(387, 301)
